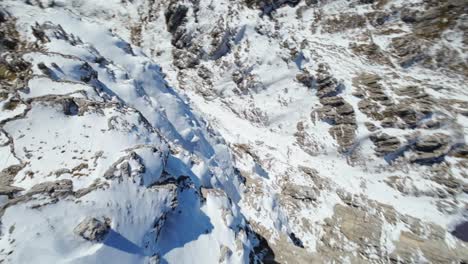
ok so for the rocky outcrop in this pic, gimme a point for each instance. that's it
(374, 99)
(10, 190)
(385, 144)
(54, 189)
(335, 110)
(327, 85)
(175, 15)
(364, 229)
(431, 149)
(372, 52)
(93, 229)
(270, 6)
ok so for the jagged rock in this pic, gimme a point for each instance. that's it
(432, 142)
(54, 189)
(10, 190)
(411, 91)
(434, 250)
(388, 122)
(237, 77)
(345, 109)
(460, 151)
(370, 108)
(449, 182)
(175, 15)
(7, 175)
(343, 22)
(220, 40)
(70, 107)
(225, 254)
(371, 126)
(407, 113)
(296, 241)
(94, 186)
(408, 15)
(246, 82)
(328, 86)
(378, 96)
(44, 69)
(182, 38)
(342, 114)
(432, 22)
(344, 135)
(378, 18)
(38, 32)
(92, 229)
(409, 50)
(385, 144)
(431, 149)
(305, 78)
(428, 157)
(363, 226)
(87, 73)
(268, 6)
(372, 52)
(184, 59)
(204, 73)
(302, 193)
(334, 101)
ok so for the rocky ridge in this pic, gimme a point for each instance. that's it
(342, 123)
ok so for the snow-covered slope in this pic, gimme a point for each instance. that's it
(96, 133)
(234, 131)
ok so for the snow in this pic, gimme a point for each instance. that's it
(141, 109)
(128, 111)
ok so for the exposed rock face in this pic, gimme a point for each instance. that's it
(92, 229)
(269, 131)
(363, 230)
(175, 15)
(385, 144)
(9, 190)
(431, 149)
(86, 129)
(54, 189)
(335, 111)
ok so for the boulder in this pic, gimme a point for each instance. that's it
(92, 229)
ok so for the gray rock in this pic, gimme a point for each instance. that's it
(70, 107)
(88, 73)
(58, 188)
(432, 142)
(345, 109)
(298, 192)
(184, 59)
(305, 78)
(333, 101)
(10, 190)
(385, 144)
(92, 229)
(8, 174)
(175, 15)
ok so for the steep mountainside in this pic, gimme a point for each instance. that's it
(241, 131)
